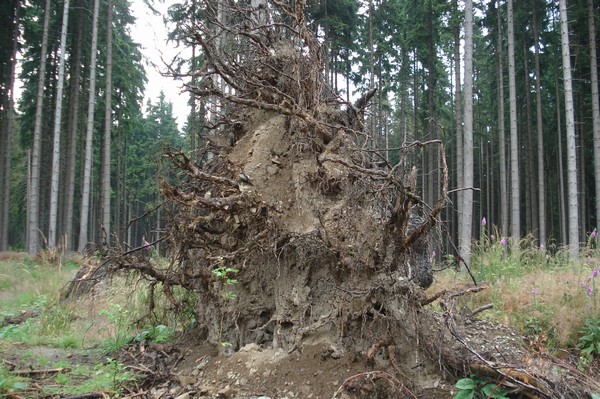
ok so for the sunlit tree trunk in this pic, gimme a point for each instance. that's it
(53, 224)
(595, 102)
(467, 207)
(105, 190)
(515, 204)
(573, 205)
(33, 203)
(504, 215)
(87, 170)
(540, 133)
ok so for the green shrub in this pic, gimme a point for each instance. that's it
(476, 388)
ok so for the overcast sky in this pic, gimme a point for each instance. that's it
(150, 31)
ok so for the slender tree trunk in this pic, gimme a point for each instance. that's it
(540, 133)
(33, 204)
(571, 144)
(460, 182)
(561, 171)
(72, 131)
(53, 223)
(595, 102)
(119, 203)
(467, 214)
(87, 170)
(504, 214)
(105, 190)
(9, 110)
(371, 132)
(530, 177)
(430, 153)
(514, 136)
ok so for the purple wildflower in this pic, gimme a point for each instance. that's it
(595, 272)
(145, 243)
(483, 221)
(534, 291)
(590, 290)
(594, 234)
(503, 241)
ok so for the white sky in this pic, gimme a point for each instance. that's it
(150, 31)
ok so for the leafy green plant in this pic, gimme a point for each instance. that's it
(119, 330)
(225, 274)
(475, 387)
(589, 342)
(10, 383)
(159, 334)
(119, 373)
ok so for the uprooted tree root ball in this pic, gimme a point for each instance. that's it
(291, 230)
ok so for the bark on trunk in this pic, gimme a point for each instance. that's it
(33, 205)
(87, 170)
(515, 204)
(573, 201)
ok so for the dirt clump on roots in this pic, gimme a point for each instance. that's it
(307, 251)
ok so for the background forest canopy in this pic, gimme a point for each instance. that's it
(80, 166)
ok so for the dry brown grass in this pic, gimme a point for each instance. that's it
(14, 256)
(555, 299)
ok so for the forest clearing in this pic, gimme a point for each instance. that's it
(284, 248)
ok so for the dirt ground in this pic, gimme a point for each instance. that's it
(204, 371)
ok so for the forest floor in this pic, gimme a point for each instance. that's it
(93, 347)
(86, 349)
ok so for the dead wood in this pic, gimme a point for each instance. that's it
(86, 396)
(41, 372)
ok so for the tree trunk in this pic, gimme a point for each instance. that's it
(515, 204)
(504, 214)
(573, 204)
(460, 182)
(72, 132)
(561, 171)
(87, 170)
(430, 171)
(33, 204)
(467, 207)
(530, 178)
(595, 102)
(105, 190)
(540, 133)
(53, 223)
(9, 104)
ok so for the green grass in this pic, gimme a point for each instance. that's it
(101, 323)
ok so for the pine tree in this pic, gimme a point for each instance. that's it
(515, 204)
(53, 224)
(573, 204)
(105, 190)
(467, 206)
(33, 204)
(86, 184)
